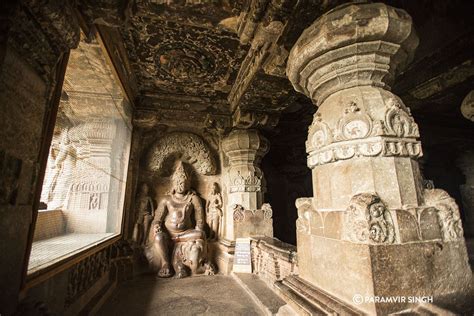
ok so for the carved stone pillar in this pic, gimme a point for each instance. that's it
(370, 228)
(245, 183)
(466, 163)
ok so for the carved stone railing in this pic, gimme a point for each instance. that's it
(272, 259)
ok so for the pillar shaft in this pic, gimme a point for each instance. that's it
(370, 224)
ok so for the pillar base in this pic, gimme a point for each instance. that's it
(423, 266)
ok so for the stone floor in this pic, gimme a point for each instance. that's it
(47, 251)
(203, 295)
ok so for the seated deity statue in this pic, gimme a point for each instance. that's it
(179, 240)
(145, 212)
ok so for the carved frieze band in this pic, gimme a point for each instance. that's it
(367, 219)
(356, 134)
(250, 183)
(239, 213)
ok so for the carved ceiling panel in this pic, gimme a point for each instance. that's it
(183, 52)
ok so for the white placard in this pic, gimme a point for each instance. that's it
(242, 257)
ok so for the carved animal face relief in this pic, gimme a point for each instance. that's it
(367, 220)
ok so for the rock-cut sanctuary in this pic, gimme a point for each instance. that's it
(236, 157)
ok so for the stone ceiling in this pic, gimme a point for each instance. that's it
(222, 63)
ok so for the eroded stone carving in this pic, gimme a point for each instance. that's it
(250, 183)
(354, 124)
(238, 213)
(252, 222)
(186, 146)
(367, 220)
(304, 207)
(447, 211)
(214, 211)
(173, 230)
(399, 122)
(145, 211)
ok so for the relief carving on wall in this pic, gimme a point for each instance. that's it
(367, 220)
(447, 211)
(145, 211)
(357, 134)
(186, 146)
(214, 211)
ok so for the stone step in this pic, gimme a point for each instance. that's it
(268, 301)
(309, 300)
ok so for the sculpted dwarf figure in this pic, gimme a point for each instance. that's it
(145, 212)
(214, 211)
(179, 230)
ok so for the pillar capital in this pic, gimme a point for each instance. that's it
(353, 45)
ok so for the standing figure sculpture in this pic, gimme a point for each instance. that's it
(145, 213)
(178, 230)
(214, 211)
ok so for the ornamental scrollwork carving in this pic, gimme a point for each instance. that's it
(354, 124)
(447, 211)
(320, 134)
(189, 147)
(367, 148)
(238, 213)
(250, 183)
(357, 134)
(267, 211)
(399, 122)
(367, 220)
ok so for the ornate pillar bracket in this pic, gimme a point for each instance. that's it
(246, 213)
(370, 216)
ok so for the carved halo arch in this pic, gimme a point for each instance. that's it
(189, 147)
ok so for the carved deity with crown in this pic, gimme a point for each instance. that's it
(179, 240)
